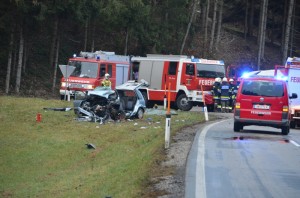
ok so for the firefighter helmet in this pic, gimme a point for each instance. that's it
(224, 79)
(106, 75)
(218, 79)
(231, 80)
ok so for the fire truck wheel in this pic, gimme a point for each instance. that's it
(285, 130)
(293, 124)
(183, 103)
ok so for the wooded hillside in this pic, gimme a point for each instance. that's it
(38, 35)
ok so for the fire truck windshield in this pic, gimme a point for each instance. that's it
(210, 70)
(84, 69)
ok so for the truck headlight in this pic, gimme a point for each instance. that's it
(89, 86)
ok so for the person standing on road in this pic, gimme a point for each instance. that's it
(216, 91)
(231, 93)
(225, 95)
(106, 81)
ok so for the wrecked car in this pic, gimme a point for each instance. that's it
(125, 102)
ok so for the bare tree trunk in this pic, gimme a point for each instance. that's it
(93, 36)
(206, 26)
(287, 31)
(53, 41)
(284, 22)
(214, 21)
(260, 21)
(20, 58)
(260, 36)
(246, 20)
(264, 30)
(56, 63)
(219, 22)
(126, 42)
(250, 31)
(8, 72)
(86, 25)
(189, 26)
(292, 32)
(25, 56)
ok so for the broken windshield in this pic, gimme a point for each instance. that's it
(84, 69)
(210, 71)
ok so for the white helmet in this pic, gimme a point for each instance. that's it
(231, 80)
(218, 79)
(106, 75)
(224, 79)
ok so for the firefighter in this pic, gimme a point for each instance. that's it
(231, 93)
(235, 90)
(225, 95)
(106, 81)
(216, 91)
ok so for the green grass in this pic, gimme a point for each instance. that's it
(50, 159)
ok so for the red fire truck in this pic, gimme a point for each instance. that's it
(90, 68)
(188, 77)
(291, 72)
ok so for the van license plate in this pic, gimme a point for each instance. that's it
(258, 106)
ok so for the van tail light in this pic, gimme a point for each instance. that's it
(237, 105)
(285, 108)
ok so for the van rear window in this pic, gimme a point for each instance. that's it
(263, 88)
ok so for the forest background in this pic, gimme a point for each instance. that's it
(38, 35)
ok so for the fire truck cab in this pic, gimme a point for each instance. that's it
(190, 79)
(90, 68)
(291, 72)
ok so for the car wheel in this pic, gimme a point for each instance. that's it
(285, 130)
(183, 103)
(293, 124)
(237, 127)
(140, 113)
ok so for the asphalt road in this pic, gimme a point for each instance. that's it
(257, 162)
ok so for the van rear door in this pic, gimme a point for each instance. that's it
(262, 100)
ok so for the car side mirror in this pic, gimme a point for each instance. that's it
(293, 96)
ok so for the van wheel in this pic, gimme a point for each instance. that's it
(237, 127)
(140, 113)
(183, 103)
(293, 124)
(285, 130)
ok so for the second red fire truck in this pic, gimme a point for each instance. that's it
(190, 79)
(90, 68)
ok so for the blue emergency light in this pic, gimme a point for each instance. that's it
(284, 78)
(245, 75)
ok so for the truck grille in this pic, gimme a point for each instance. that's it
(76, 85)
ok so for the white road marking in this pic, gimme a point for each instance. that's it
(200, 168)
(295, 143)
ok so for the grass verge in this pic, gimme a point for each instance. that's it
(50, 158)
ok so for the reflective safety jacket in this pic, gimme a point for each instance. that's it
(225, 91)
(106, 83)
(216, 91)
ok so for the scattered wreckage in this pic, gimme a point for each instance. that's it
(103, 103)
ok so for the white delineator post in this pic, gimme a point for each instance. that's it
(168, 121)
(204, 105)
